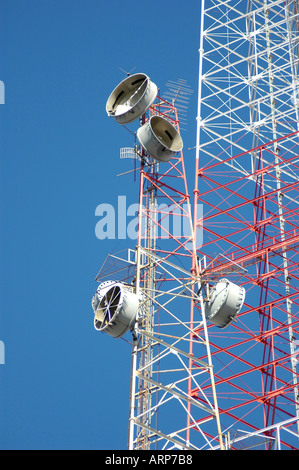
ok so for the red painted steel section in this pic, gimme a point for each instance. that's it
(241, 231)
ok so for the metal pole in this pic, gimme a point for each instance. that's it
(280, 210)
(135, 343)
(195, 270)
(202, 307)
(132, 395)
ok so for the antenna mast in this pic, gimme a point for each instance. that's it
(247, 178)
(212, 369)
(166, 368)
(171, 360)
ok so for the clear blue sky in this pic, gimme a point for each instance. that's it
(64, 385)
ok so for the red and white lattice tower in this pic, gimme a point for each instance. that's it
(165, 369)
(151, 291)
(247, 168)
(211, 370)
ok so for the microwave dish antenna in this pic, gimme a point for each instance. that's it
(160, 139)
(115, 308)
(224, 303)
(131, 98)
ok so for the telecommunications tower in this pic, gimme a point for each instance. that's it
(247, 168)
(210, 293)
(150, 291)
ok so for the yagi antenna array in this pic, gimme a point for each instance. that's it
(179, 93)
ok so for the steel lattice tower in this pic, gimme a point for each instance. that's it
(195, 385)
(247, 162)
(162, 277)
(165, 367)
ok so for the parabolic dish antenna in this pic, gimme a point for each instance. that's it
(131, 98)
(225, 302)
(115, 308)
(160, 139)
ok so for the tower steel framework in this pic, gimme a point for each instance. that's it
(247, 162)
(165, 369)
(194, 385)
(243, 378)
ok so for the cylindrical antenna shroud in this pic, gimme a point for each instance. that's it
(225, 302)
(131, 98)
(160, 139)
(115, 308)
